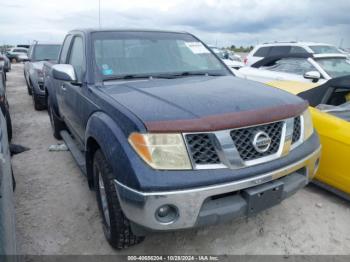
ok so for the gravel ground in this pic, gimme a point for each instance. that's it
(57, 213)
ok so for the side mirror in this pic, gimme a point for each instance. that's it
(64, 72)
(312, 75)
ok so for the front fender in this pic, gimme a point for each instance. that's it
(114, 144)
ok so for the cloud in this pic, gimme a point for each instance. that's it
(223, 21)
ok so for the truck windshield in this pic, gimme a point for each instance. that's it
(46, 52)
(152, 53)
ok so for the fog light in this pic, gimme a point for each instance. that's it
(167, 214)
(317, 165)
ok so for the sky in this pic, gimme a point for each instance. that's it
(217, 22)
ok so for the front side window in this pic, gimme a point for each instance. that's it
(45, 52)
(76, 58)
(298, 66)
(151, 53)
(65, 49)
(335, 67)
(297, 50)
(279, 50)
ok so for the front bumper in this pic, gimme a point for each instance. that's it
(211, 204)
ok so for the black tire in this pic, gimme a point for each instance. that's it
(13, 182)
(56, 123)
(118, 231)
(29, 89)
(9, 125)
(38, 104)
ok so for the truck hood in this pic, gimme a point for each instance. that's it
(203, 103)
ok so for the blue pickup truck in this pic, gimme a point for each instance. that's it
(168, 137)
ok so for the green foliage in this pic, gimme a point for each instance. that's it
(240, 49)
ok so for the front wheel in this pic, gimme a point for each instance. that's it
(29, 89)
(116, 225)
(38, 104)
(8, 124)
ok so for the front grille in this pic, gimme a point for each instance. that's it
(296, 130)
(243, 140)
(202, 149)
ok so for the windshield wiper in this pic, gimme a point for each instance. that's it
(189, 73)
(125, 77)
(161, 76)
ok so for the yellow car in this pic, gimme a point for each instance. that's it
(330, 109)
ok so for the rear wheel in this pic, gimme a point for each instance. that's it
(116, 225)
(56, 123)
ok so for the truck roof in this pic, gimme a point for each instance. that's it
(93, 30)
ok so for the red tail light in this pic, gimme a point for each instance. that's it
(245, 61)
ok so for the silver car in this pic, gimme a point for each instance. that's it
(33, 71)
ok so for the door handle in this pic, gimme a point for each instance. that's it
(63, 87)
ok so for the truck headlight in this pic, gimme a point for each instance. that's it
(161, 151)
(308, 125)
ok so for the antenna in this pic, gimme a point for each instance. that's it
(99, 14)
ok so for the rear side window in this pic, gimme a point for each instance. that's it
(262, 52)
(279, 50)
(65, 49)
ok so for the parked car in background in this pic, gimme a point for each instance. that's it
(17, 54)
(231, 60)
(288, 48)
(330, 111)
(4, 106)
(8, 244)
(33, 71)
(24, 46)
(169, 138)
(21, 58)
(298, 67)
(5, 63)
(2, 76)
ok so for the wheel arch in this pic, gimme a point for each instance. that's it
(103, 133)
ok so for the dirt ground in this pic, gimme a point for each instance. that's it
(57, 213)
